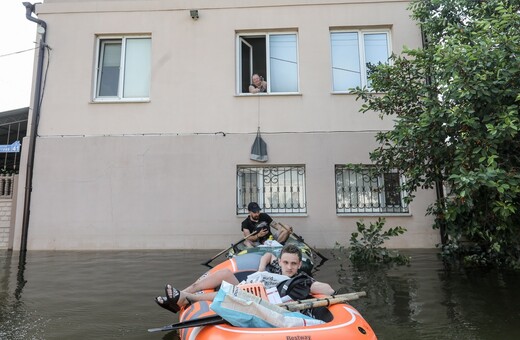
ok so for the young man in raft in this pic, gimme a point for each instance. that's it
(262, 221)
(288, 264)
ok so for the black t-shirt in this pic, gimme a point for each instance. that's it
(251, 225)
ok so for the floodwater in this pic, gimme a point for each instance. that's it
(109, 295)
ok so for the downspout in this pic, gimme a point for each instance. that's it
(34, 122)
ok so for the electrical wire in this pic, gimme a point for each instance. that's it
(18, 52)
(222, 133)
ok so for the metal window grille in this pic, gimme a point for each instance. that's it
(364, 192)
(6, 186)
(277, 189)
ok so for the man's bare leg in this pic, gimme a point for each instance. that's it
(212, 281)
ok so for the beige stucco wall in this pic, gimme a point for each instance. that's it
(157, 174)
(193, 69)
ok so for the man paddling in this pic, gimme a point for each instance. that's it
(288, 265)
(256, 220)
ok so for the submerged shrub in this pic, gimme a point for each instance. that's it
(366, 245)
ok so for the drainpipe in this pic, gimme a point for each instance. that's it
(34, 121)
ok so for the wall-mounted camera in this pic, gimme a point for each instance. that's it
(194, 13)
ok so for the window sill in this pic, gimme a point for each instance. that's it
(376, 214)
(267, 94)
(351, 93)
(341, 93)
(120, 101)
(242, 215)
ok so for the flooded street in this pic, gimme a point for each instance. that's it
(109, 295)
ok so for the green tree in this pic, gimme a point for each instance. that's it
(455, 103)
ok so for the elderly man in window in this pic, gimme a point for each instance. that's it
(258, 84)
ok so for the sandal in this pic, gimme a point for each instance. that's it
(169, 302)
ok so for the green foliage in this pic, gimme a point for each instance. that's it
(366, 245)
(455, 103)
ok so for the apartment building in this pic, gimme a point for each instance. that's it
(147, 126)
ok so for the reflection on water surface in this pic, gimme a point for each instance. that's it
(109, 295)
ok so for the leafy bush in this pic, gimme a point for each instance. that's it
(366, 245)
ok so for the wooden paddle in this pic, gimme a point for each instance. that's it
(228, 249)
(291, 306)
(322, 302)
(336, 296)
(300, 239)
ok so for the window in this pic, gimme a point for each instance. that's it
(274, 56)
(123, 69)
(277, 189)
(351, 52)
(364, 192)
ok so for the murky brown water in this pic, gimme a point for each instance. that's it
(109, 295)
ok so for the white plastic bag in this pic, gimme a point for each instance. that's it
(243, 309)
(268, 279)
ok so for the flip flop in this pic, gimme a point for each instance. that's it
(162, 301)
(169, 302)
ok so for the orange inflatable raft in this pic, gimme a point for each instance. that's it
(342, 321)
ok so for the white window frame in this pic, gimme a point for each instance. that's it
(119, 97)
(362, 55)
(374, 208)
(266, 35)
(264, 195)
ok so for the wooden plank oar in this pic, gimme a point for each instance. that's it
(291, 306)
(228, 249)
(300, 239)
(336, 296)
(323, 302)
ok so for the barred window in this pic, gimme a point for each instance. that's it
(277, 189)
(363, 192)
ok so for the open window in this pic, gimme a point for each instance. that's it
(273, 56)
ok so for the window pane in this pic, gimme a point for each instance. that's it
(346, 72)
(110, 59)
(283, 63)
(284, 188)
(366, 190)
(246, 57)
(247, 187)
(137, 68)
(376, 48)
(392, 189)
